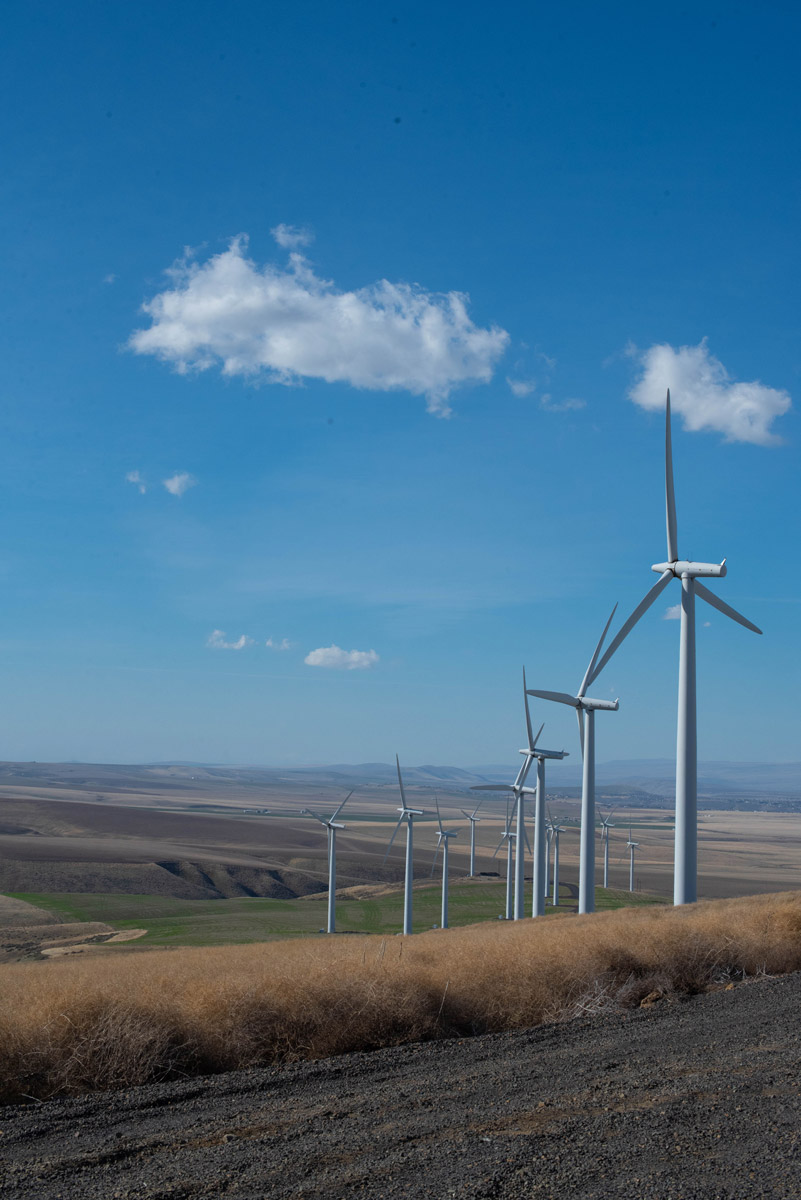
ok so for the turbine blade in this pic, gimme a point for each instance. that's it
(723, 607)
(525, 838)
(627, 626)
(434, 863)
(392, 839)
(537, 738)
(588, 673)
(670, 496)
(316, 816)
(342, 805)
(531, 741)
(478, 806)
(439, 818)
(492, 787)
(580, 715)
(558, 697)
(400, 781)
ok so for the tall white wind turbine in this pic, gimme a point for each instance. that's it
(540, 849)
(442, 840)
(631, 847)
(406, 814)
(586, 708)
(474, 820)
(521, 838)
(685, 871)
(332, 826)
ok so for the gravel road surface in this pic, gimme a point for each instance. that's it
(682, 1100)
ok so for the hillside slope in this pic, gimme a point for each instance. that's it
(692, 1099)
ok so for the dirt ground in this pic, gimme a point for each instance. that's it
(690, 1100)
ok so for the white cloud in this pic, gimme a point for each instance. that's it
(521, 387)
(345, 660)
(179, 483)
(289, 237)
(135, 478)
(216, 641)
(673, 613)
(275, 644)
(703, 392)
(547, 402)
(109, 278)
(287, 324)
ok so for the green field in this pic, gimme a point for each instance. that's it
(171, 922)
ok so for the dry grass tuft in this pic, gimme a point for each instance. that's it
(68, 1027)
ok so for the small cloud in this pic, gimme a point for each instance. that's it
(109, 278)
(135, 478)
(216, 641)
(274, 644)
(521, 387)
(707, 624)
(344, 660)
(289, 237)
(673, 613)
(179, 483)
(550, 405)
(705, 395)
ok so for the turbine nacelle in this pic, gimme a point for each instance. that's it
(547, 753)
(697, 570)
(411, 812)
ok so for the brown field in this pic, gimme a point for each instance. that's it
(75, 1025)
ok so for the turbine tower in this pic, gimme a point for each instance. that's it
(442, 840)
(632, 846)
(606, 825)
(473, 819)
(585, 711)
(406, 814)
(685, 870)
(332, 826)
(540, 851)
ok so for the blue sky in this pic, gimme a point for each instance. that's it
(397, 405)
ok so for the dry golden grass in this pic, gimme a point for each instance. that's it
(72, 1026)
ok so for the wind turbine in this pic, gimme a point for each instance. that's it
(632, 846)
(519, 791)
(332, 826)
(606, 825)
(541, 853)
(507, 836)
(406, 814)
(473, 819)
(521, 837)
(442, 840)
(585, 711)
(685, 870)
(557, 829)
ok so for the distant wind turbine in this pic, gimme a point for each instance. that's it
(632, 846)
(474, 820)
(406, 814)
(520, 791)
(442, 840)
(540, 851)
(332, 827)
(685, 871)
(585, 711)
(509, 837)
(606, 825)
(555, 831)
